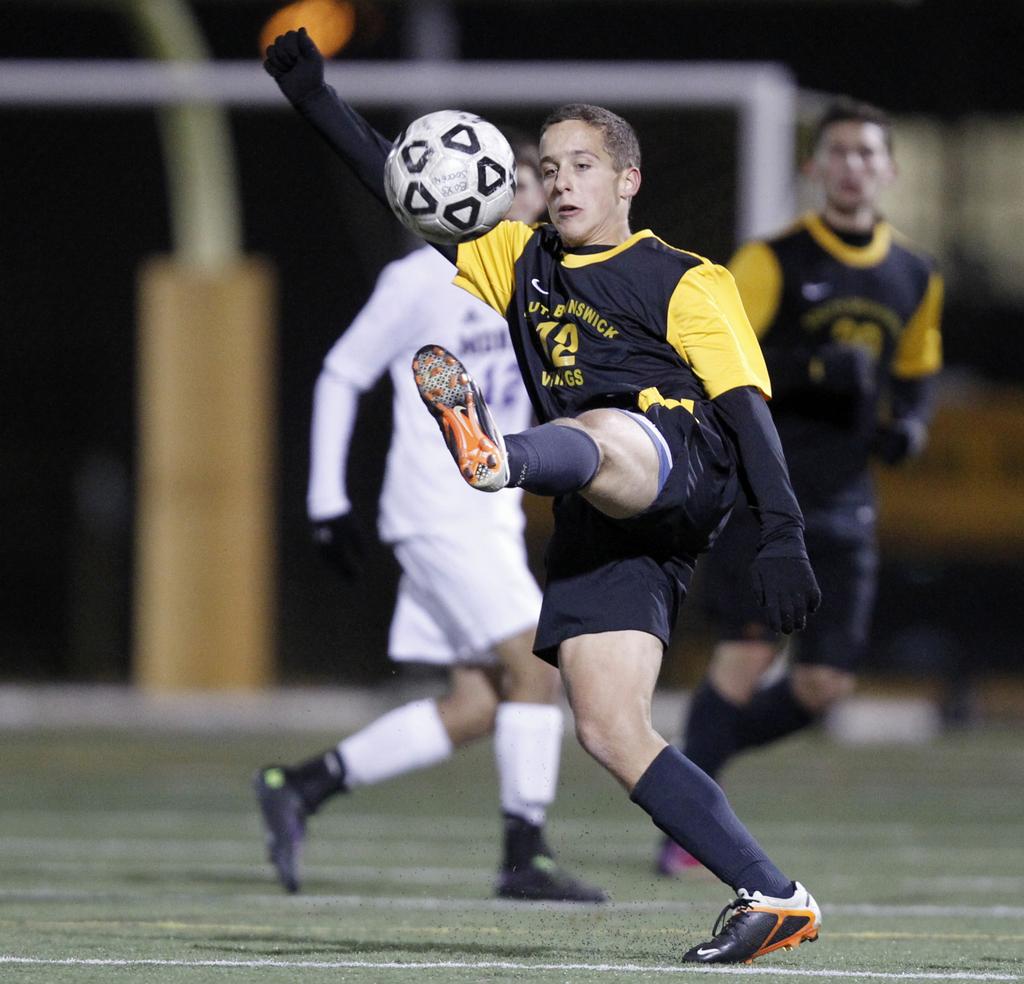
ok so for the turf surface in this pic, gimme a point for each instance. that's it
(137, 857)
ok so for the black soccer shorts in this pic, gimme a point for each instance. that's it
(606, 575)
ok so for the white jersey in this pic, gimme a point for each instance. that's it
(413, 304)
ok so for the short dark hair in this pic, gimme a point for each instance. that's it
(844, 109)
(620, 139)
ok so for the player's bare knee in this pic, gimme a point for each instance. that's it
(737, 667)
(819, 687)
(609, 736)
(468, 721)
(482, 716)
(468, 710)
(626, 481)
(592, 734)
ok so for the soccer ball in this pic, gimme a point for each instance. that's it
(450, 177)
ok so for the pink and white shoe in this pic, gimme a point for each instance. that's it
(673, 861)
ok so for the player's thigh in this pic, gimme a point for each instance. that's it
(627, 481)
(610, 677)
(837, 634)
(476, 587)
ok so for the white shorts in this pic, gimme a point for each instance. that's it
(457, 597)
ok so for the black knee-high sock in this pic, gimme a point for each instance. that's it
(523, 842)
(773, 713)
(710, 736)
(318, 778)
(691, 808)
(551, 459)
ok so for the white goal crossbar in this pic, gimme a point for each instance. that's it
(763, 95)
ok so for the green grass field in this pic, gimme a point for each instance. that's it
(134, 856)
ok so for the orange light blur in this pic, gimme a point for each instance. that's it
(330, 23)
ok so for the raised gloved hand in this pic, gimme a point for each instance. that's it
(341, 543)
(786, 589)
(846, 370)
(296, 65)
(898, 440)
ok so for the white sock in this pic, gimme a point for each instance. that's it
(528, 749)
(410, 737)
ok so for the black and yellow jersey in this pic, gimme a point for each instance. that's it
(809, 288)
(638, 325)
(624, 326)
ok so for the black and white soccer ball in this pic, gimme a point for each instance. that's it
(450, 176)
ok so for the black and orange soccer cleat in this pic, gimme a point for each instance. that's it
(758, 925)
(457, 404)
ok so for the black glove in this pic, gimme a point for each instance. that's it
(846, 370)
(296, 65)
(341, 543)
(787, 590)
(897, 440)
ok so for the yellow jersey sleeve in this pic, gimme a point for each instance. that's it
(708, 327)
(919, 350)
(486, 266)
(758, 276)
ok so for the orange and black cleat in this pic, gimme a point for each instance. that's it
(758, 925)
(458, 406)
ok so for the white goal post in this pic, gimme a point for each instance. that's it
(763, 95)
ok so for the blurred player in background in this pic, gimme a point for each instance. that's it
(650, 386)
(466, 598)
(847, 314)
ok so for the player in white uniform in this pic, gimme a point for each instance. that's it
(466, 597)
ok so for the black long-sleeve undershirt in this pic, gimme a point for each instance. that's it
(357, 143)
(912, 399)
(762, 469)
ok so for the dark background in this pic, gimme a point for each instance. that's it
(83, 204)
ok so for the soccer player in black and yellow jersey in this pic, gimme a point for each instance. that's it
(848, 318)
(650, 386)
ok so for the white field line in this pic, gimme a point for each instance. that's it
(356, 846)
(345, 819)
(444, 875)
(236, 857)
(625, 837)
(419, 874)
(178, 848)
(639, 969)
(345, 816)
(244, 858)
(449, 904)
(363, 831)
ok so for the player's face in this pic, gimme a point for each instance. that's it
(854, 166)
(529, 203)
(588, 200)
